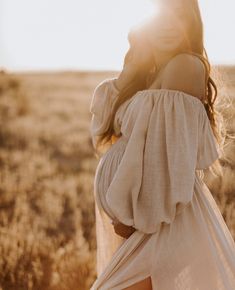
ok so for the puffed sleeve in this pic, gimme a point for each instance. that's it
(104, 95)
(155, 178)
(208, 148)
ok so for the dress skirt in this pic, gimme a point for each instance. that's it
(198, 240)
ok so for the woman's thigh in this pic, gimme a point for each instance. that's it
(145, 284)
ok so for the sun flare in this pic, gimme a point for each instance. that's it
(142, 11)
(93, 34)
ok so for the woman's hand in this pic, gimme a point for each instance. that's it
(122, 229)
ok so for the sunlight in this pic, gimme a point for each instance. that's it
(54, 35)
(142, 11)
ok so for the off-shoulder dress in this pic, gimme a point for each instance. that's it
(152, 178)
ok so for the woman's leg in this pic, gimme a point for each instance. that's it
(145, 284)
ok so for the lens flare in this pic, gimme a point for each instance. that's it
(142, 11)
(146, 21)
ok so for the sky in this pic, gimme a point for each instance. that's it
(92, 34)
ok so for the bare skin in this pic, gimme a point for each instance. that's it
(122, 229)
(145, 284)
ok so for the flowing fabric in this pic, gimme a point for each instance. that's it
(151, 179)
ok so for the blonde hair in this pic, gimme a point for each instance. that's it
(194, 45)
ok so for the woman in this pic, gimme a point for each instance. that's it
(157, 224)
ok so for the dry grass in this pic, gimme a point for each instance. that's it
(47, 165)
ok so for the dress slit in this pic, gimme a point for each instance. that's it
(138, 281)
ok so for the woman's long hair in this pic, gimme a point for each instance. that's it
(145, 75)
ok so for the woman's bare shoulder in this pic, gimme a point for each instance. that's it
(185, 72)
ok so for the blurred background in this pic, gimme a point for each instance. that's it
(52, 55)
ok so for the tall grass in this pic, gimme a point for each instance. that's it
(47, 165)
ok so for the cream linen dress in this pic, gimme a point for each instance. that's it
(152, 178)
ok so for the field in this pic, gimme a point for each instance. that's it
(47, 165)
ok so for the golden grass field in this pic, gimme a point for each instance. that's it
(47, 166)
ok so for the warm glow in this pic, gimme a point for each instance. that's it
(138, 12)
(88, 34)
(144, 13)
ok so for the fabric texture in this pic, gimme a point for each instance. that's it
(151, 179)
